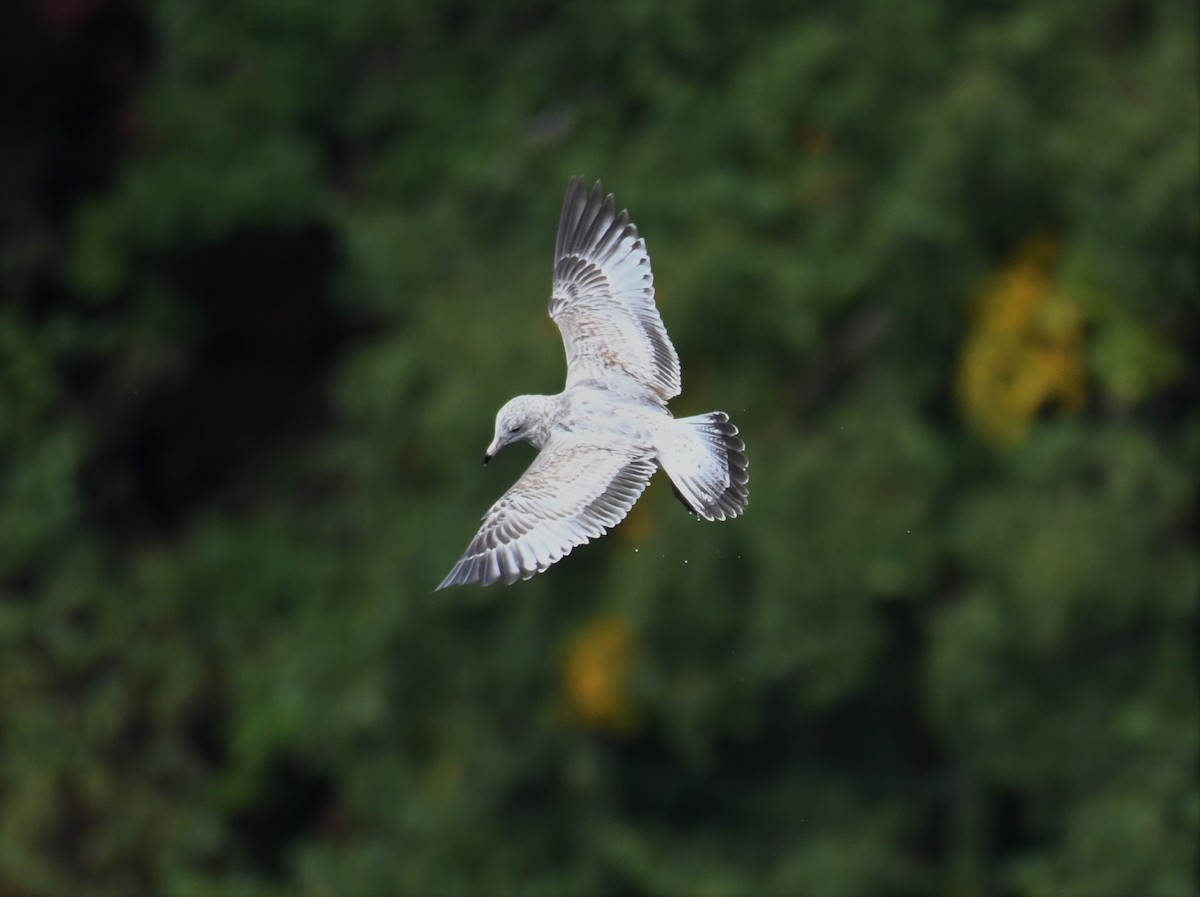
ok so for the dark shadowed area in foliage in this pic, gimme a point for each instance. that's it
(268, 270)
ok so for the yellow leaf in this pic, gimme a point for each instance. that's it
(596, 673)
(1024, 349)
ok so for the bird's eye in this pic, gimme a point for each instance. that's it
(514, 428)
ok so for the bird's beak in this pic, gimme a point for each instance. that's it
(491, 452)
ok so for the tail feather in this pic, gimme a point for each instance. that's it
(706, 461)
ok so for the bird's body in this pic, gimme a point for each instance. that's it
(600, 411)
(603, 437)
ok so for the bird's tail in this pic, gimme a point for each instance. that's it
(707, 463)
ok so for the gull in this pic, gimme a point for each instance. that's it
(603, 437)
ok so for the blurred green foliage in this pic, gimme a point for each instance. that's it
(952, 647)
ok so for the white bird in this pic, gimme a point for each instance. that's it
(602, 438)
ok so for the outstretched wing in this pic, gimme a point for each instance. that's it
(573, 491)
(603, 299)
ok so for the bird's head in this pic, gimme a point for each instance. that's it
(524, 417)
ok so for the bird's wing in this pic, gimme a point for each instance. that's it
(574, 491)
(603, 298)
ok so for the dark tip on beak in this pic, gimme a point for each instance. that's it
(486, 457)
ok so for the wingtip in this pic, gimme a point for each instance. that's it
(471, 570)
(577, 186)
(458, 576)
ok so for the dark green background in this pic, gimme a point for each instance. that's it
(268, 270)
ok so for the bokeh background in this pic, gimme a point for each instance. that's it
(269, 268)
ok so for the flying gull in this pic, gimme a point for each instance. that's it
(601, 439)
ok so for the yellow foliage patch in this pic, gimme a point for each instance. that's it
(1024, 349)
(596, 672)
